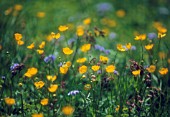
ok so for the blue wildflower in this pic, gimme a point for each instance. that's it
(133, 47)
(14, 66)
(152, 35)
(102, 49)
(49, 58)
(104, 7)
(73, 93)
(3, 77)
(60, 64)
(107, 51)
(112, 35)
(70, 41)
(116, 72)
(98, 47)
(99, 72)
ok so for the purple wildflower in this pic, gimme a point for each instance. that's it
(73, 93)
(14, 66)
(60, 64)
(107, 51)
(104, 7)
(70, 41)
(98, 47)
(3, 77)
(101, 48)
(116, 72)
(152, 35)
(133, 47)
(99, 72)
(49, 58)
(112, 35)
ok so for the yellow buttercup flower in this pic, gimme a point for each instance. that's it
(87, 21)
(80, 31)
(67, 51)
(104, 59)
(42, 45)
(85, 47)
(108, 22)
(8, 11)
(96, 32)
(161, 35)
(120, 13)
(18, 7)
(162, 55)
(62, 28)
(63, 69)
(20, 84)
(151, 68)
(82, 69)
(10, 101)
(39, 84)
(52, 35)
(31, 46)
(39, 51)
(57, 36)
(149, 46)
(117, 108)
(140, 37)
(30, 72)
(121, 48)
(51, 78)
(169, 60)
(87, 87)
(136, 72)
(67, 110)
(128, 46)
(95, 67)
(161, 29)
(20, 42)
(68, 64)
(81, 60)
(163, 71)
(44, 101)
(53, 88)
(40, 14)
(157, 24)
(37, 115)
(111, 23)
(110, 68)
(105, 31)
(18, 36)
(49, 37)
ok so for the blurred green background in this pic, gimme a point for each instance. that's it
(120, 19)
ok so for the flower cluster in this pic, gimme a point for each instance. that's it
(102, 49)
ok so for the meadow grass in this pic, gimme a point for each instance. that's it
(84, 58)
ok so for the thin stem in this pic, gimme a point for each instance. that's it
(22, 105)
(142, 49)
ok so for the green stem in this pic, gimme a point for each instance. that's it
(49, 105)
(22, 105)
(158, 45)
(142, 50)
(115, 57)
